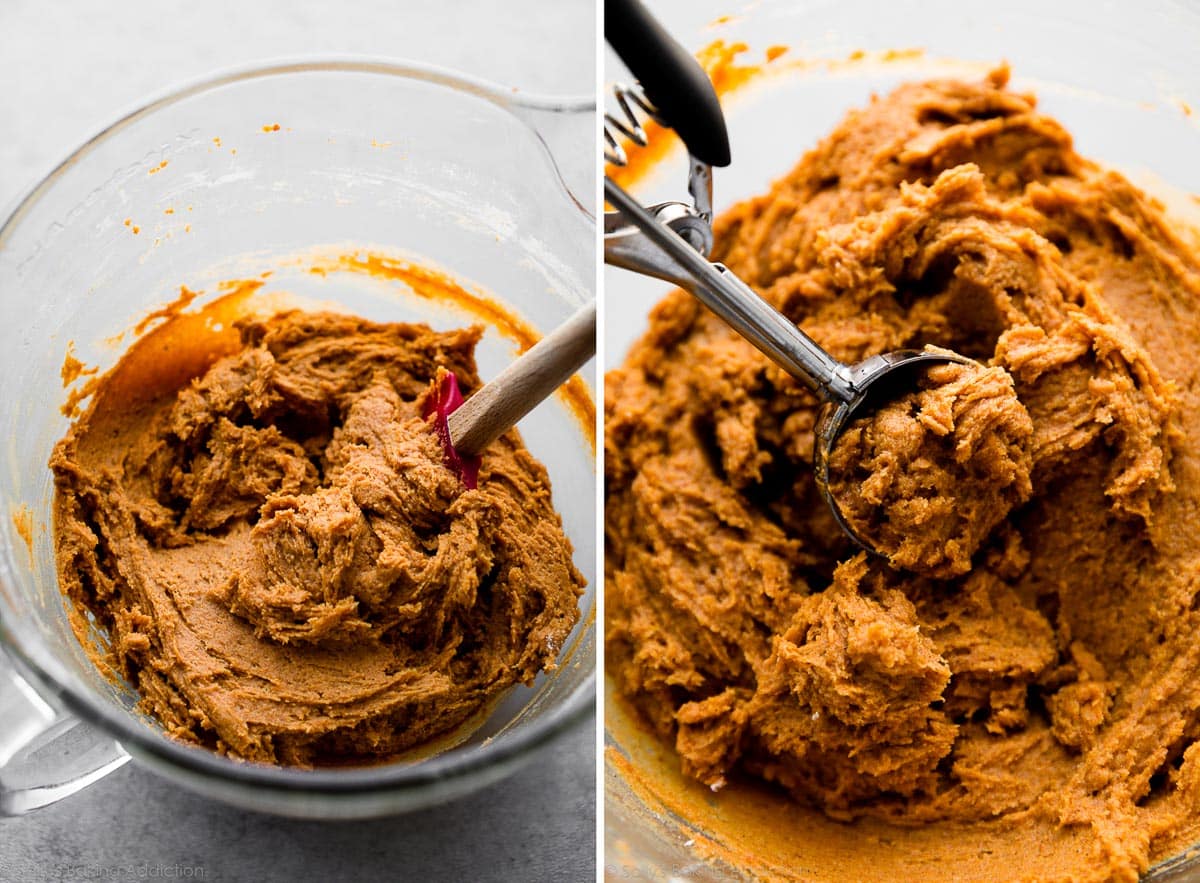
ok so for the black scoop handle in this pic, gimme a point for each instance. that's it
(672, 79)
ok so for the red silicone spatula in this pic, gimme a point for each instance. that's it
(467, 426)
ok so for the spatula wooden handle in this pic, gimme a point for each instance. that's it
(499, 404)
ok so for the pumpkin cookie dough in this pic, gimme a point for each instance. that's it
(1049, 681)
(925, 478)
(287, 571)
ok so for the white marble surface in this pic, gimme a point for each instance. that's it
(69, 67)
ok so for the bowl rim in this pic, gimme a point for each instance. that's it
(516, 102)
(51, 677)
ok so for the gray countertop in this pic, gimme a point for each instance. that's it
(66, 69)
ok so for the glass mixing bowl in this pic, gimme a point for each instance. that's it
(1123, 78)
(271, 170)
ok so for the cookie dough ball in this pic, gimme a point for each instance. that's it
(928, 476)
